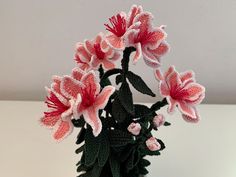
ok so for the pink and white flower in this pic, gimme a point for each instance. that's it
(120, 23)
(158, 120)
(101, 53)
(148, 41)
(88, 99)
(82, 57)
(134, 128)
(181, 90)
(59, 113)
(153, 144)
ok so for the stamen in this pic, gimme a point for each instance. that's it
(118, 25)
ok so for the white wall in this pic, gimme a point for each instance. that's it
(37, 40)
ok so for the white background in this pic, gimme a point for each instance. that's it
(37, 40)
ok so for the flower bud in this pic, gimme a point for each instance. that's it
(134, 128)
(158, 120)
(152, 144)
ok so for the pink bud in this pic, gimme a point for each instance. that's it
(152, 144)
(134, 128)
(158, 120)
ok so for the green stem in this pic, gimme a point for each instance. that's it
(156, 106)
(125, 60)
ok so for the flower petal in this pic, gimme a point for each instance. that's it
(186, 109)
(91, 117)
(49, 121)
(104, 96)
(89, 80)
(193, 91)
(172, 104)
(77, 73)
(192, 119)
(115, 42)
(184, 76)
(158, 74)
(164, 90)
(82, 53)
(108, 64)
(64, 129)
(173, 80)
(70, 87)
(138, 53)
(89, 47)
(134, 11)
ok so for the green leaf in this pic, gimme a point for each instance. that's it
(144, 163)
(133, 160)
(92, 146)
(141, 110)
(118, 111)
(115, 166)
(119, 138)
(104, 150)
(167, 123)
(139, 84)
(162, 144)
(81, 135)
(80, 149)
(126, 98)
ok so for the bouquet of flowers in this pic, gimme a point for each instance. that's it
(115, 134)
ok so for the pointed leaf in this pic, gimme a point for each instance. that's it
(118, 111)
(138, 83)
(115, 166)
(126, 98)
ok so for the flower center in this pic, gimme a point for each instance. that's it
(88, 96)
(57, 106)
(100, 54)
(118, 25)
(178, 93)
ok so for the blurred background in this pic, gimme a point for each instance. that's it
(37, 40)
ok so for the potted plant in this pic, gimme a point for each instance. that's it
(115, 134)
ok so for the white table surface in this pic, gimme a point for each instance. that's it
(207, 149)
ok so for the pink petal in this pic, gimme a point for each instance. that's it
(115, 42)
(104, 96)
(155, 40)
(186, 76)
(89, 80)
(138, 53)
(173, 80)
(89, 47)
(91, 117)
(150, 59)
(109, 53)
(186, 109)
(108, 64)
(63, 130)
(158, 74)
(95, 62)
(169, 72)
(192, 119)
(172, 104)
(98, 38)
(161, 50)
(116, 56)
(77, 73)
(130, 37)
(70, 87)
(76, 107)
(197, 100)
(83, 54)
(193, 91)
(145, 18)
(164, 90)
(49, 121)
(134, 11)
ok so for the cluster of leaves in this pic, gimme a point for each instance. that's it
(116, 152)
